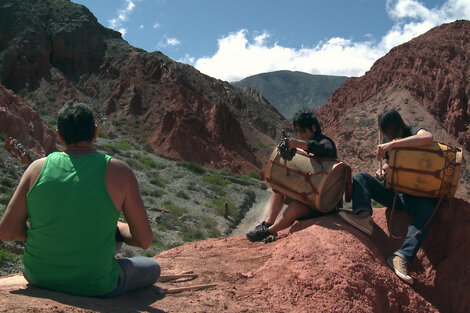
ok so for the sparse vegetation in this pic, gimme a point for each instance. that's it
(216, 180)
(7, 257)
(102, 133)
(174, 208)
(6, 181)
(254, 174)
(219, 207)
(158, 181)
(181, 194)
(193, 167)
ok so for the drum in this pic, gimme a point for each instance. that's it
(317, 182)
(431, 171)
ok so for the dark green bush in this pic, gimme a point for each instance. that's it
(193, 167)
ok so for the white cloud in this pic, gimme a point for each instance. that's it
(118, 22)
(169, 42)
(157, 25)
(240, 55)
(141, 27)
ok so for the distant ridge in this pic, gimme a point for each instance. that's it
(290, 91)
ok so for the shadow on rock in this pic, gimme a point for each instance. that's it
(137, 301)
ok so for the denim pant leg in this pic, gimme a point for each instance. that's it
(135, 273)
(366, 188)
(420, 209)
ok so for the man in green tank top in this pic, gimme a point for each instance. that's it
(73, 200)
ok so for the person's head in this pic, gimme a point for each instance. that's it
(76, 123)
(391, 124)
(306, 125)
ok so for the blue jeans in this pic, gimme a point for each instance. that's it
(135, 273)
(366, 187)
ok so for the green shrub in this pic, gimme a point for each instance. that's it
(191, 233)
(148, 148)
(147, 162)
(193, 167)
(157, 193)
(123, 145)
(254, 174)
(216, 180)
(109, 148)
(7, 257)
(170, 206)
(102, 134)
(52, 122)
(6, 181)
(181, 194)
(158, 181)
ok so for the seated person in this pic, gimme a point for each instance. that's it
(310, 139)
(366, 188)
(72, 201)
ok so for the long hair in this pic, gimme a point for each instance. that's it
(390, 122)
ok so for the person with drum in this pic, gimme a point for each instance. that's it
(310, 139)
(397, 134)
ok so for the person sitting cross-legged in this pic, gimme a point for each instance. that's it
(72, 201)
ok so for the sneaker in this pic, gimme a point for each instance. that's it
(269, 239)
(362, 221)
(400, 266)
(259, 233)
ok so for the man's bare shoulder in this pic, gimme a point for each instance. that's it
(118, 168)
(36, 166)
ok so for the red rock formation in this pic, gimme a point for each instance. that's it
(56, 51)
(319, 265)
(20, 121)
(434, 67)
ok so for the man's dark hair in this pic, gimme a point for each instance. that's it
(76, 123)
(305, 119)
(390, 121)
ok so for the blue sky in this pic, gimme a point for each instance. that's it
(231, 40)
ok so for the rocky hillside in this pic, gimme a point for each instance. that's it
(54, 50)
(434, 68)
(20, 121)
(427, 79)
(290, 91)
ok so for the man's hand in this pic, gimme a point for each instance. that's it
(297, 143)
(380, 174)
(382, 149)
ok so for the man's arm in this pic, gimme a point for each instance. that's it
(422, 138)
(137, 230)
(323, 148)
(13, 222)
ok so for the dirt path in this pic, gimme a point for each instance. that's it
(255, 215)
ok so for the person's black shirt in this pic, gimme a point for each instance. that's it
(322, 146)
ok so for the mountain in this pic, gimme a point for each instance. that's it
(426, 79)
(55, 51)
(290, 91)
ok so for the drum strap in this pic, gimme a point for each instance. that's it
(418, 231)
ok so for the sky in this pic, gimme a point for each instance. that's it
(231, 40)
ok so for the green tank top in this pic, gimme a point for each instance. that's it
(71, 242)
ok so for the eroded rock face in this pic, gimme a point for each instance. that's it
(55, 51)
(20, 121)
(434, 67)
